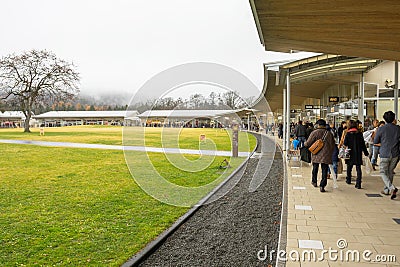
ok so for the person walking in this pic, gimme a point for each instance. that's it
(389, 137)
(280, 131)
(300, 133)
(355, 141)
(324, 156)
(375, 147)
(341, 128)
(309, 129)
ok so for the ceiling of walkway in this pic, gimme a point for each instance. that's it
(366, 28)
(312, 76)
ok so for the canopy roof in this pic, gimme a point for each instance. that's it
(310, 77)
(366, 28)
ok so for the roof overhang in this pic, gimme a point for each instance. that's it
(367, 28)
(311, 77)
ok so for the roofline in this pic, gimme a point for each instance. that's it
(257, 21)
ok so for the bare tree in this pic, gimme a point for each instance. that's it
(233, 100)
(36, 78)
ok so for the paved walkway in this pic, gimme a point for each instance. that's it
(131, 148)
(318, 220)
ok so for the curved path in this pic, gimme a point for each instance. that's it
(232, 230)
(131, 148)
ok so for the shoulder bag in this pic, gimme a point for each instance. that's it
(318, 145)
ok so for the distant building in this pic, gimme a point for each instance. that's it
(70, 118)
(186, 118)
(12, 119)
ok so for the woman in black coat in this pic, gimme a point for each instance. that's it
(355, 141)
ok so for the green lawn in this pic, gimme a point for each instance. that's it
(80, 207)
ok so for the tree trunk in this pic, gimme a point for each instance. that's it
(27, 120)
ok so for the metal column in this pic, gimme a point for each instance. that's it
(396, 89)
(284, 120)
(288, 111)
(361, 99)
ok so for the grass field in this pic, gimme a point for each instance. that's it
(153, 137)
(81, 207)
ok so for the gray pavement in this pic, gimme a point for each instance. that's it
(130, 148)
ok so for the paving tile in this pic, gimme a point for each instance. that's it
(312, 244)
(298, 235)
(358, 225)
(303, 207)
(307, 229)
(385, 226)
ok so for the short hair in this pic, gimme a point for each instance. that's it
(321, 122)
(300, 122)
(353, 124)
(389, 116)
(382, 123)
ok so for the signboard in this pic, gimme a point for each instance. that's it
(311, 107)
(344, 99)
(333, 99)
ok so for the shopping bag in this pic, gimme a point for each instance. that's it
(368, 165)
(344, 152)
(333, 175)
(305, 154)
(340, 166)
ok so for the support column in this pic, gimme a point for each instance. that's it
(288, 110)
(361, 99)
(284, 120)
(396, 89)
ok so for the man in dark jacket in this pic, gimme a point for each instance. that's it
(300, 133)
(388, 136)
(324, 156)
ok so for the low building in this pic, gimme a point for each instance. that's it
(186, 118)
(70, 118)
(12, 119)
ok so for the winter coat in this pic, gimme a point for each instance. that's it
(355, 141)
(335, 155)
(325, 154)
(300, 130)
(309, 131)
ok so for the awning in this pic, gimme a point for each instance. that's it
(366, 28)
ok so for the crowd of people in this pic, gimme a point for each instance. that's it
(349, 143)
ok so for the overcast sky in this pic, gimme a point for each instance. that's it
(118, 45)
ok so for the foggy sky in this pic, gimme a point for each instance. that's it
(118, 45)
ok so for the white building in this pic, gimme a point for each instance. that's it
(70, 118)
(12, 119)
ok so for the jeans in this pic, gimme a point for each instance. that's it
(334, 164)
(386, 169)
(375, 152)
(324, 168)
(359, 174)
(302, 140)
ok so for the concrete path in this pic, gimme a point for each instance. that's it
(131, 148)
(344, 219)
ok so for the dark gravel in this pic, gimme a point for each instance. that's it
(231, 230)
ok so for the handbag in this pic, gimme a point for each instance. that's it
(305, 154)
(344, 152)
(318, 145)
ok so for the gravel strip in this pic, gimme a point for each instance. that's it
(233, 229)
